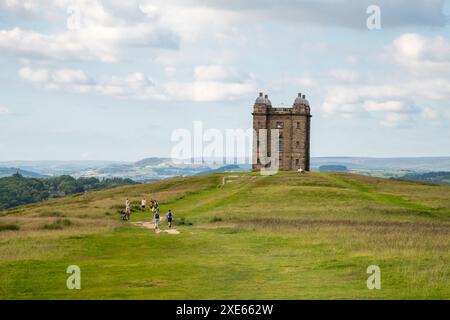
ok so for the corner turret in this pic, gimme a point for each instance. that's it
(262, 103)
(301, 104)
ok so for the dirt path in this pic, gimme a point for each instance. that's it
(150, 225)
(227, 179)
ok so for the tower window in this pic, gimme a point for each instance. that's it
(297, 162)
(281, 146)
(297, 144)
(280, 125)
(298, 125)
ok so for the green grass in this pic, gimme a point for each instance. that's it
(274, 237)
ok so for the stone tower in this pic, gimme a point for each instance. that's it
(294, 125)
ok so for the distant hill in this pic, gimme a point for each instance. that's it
(6, 172)
(333, 168)
(412, 164)
(151, 161)
(56, 168)
(154, 168)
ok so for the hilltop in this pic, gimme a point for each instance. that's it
(242, 236)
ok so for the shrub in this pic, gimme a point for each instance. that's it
(183, 222)
(230, 230)
(58, 224)
(9, 227)
(51, 214)
(216, 219)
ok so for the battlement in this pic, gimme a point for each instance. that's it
(264, 105)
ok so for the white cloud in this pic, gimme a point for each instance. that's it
(430, 114)
(139, 86)
(396, 120)
(69, 76)
(34, 75)
(211, 73)
(319, 12)
(306, 81)
(423, 64)
(420, 55)
(395, 99)
(391, 106)
(19, 7)
(106, 28)
(4, 111)
(93, 43)
(342, 13)
(219, 73)
(133, 85)
(208, 90)
(150, 10)
(191, 21)
(170, 71)
(61, 46)
(344, 75)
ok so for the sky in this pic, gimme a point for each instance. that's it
(112, 80)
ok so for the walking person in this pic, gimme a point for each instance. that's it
(152, 205)
(169, 218)
(127, 209)
(156, 218)
(143, 204)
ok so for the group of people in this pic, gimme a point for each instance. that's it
(154, 207)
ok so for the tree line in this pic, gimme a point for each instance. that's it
(17, 190)
(438, 177)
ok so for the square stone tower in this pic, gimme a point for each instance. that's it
(294, 125)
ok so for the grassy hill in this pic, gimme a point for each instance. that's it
(242, 236)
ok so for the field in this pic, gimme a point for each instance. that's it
(242, 236)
